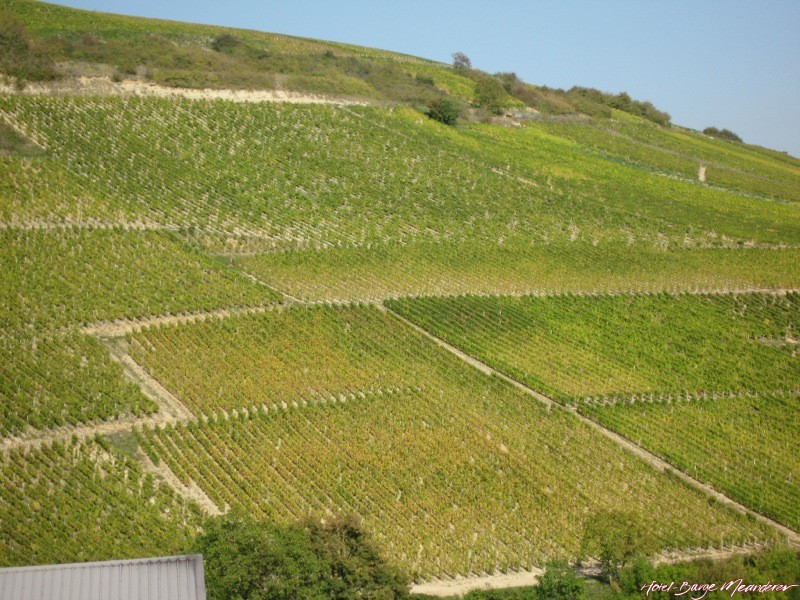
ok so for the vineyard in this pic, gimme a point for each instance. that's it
(746, 169)
(70, 502)
(283, 356)
(512, 485)
(746, 447)
(239, 178)
(49, 380)
(391, 271)
(59, 277)
(211, 305)
(611, 348)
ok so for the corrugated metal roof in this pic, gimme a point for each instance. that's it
(163, 578)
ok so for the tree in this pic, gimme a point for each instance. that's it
(444, 110)
(461, 61)
(489, 94)
(247, 559)
(559, 582)
(615, 538)
(354, 569)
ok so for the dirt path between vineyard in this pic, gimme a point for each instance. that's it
(459, 586)
(654, 461)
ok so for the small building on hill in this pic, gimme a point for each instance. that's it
(164, 578)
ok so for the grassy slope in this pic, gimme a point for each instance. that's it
(180, 54)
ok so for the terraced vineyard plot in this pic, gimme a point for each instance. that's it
(40, 190)
(288, 175)
(682, 212)
(266, 177)
(74, 276)
(76, 502)
(452, 470)
(450, 478)
(48, 380)
(745, 447)
(735, 166)
(282, 356)
(514, 268)
(619, 347)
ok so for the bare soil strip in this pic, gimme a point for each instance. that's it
(37, 438)
(190, 492)
(105, 86)
(121, 327)
(169, 406)
(659, 464)
(463, 585)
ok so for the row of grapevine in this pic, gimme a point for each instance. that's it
(684, 212)
(49, 380)
(286, 177)
(75, 276)
(610, 347)
(281, 356)
(744, 447)
(387, 271)
(71, 502)
(450, 479)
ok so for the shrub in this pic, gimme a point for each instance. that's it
(723, 134)
(225, 42)
(559, 582)
(615, 538)
(491, 95)
(444, 110)
(19, 57)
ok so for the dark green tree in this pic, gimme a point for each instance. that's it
(444, 110)
(490, 94)
(354, 568)
(615, 538)
(247, 559)
(559, 582)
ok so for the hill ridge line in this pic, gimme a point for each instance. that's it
(661, 465)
